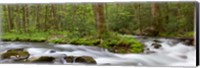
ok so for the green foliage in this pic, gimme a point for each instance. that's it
(75, 23)
(37, 37)
(122, 44)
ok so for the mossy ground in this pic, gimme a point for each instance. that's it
(186, 34)
(112, 41)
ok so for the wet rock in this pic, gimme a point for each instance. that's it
(15, 54)
(148, 51)
(80, 59)
(52, 51)
(69, 59)
(106, 64)
(85, 59)
(184, 57)
(156, 45)
(189, 42)
(42, 59)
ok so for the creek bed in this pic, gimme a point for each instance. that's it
(170, 53)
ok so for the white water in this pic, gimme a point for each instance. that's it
(172, 53)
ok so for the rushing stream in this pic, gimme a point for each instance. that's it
(172, 53)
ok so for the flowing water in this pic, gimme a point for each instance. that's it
(172, 53)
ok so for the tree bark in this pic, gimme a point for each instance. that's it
(10, 17)
(46, 20)
(100, 20)
(156, 18)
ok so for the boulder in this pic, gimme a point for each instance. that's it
(85, 59)
(15, 54)
(156, 45)
(189, 42)
(70, 59)
(80, 59)
(42, 59)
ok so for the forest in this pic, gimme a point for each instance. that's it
(107, 25)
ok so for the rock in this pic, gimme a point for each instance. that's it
(70, 59)
(15, 54)
(156, 45)
(183, 56)
(148, 51)
(106, 64)
(80, 59)
(42, 59)
(52, 51)
(157, 41)
(189, 42)
(85, 59)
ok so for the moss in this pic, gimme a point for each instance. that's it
(84, 41)
(34, 37)
(85, 59)
(80, 59)
(123, 44)
(110, 40)
(43, 59)
(17, 53)
(57, 40)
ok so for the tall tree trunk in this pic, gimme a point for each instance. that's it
(137, 18)
(54, 19)
(156, 18)
(27, 18)
(5, 17)
(10, 17)
(45, 28)
(24, 17)
(100, 20)
(18, 19)
(74, 16)
(37, 12)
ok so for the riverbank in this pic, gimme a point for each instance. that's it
(114, 42)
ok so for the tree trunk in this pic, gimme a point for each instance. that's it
(54, 18)
(100, 20)
(10, 17)
(45, 28)
(37, 10)
(27, 17)
(156, 18)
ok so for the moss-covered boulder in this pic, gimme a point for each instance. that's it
(80, 59)
(124, 44)
(15, 54)
(85, 59)
(42, 59)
